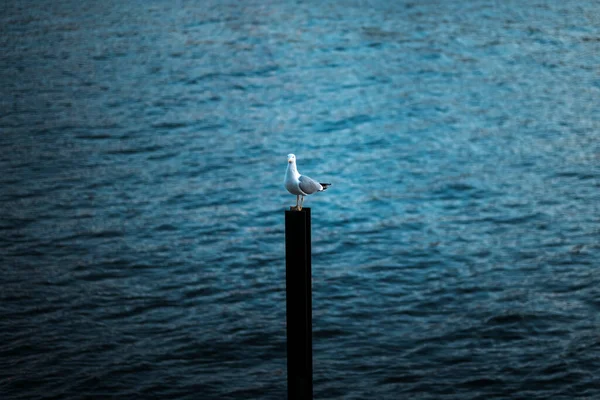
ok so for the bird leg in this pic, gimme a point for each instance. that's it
(299, 203)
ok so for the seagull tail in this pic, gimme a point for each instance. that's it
(325, 185)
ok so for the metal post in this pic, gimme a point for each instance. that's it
(298, 304)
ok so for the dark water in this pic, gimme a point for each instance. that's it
(143, 148)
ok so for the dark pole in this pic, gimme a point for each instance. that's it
(298, 304)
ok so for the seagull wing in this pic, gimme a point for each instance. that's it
(308, 185)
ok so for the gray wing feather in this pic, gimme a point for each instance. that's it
(308, 185)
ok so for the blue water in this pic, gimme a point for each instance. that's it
(143, 146)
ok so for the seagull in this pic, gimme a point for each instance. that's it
(300, 185)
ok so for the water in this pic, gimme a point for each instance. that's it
(143, 149)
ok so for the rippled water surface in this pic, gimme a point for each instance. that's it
(142, 151)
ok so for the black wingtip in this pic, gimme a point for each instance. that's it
(325, 185)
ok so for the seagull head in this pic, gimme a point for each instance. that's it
(291, 158)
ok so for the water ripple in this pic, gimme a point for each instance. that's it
(141, 211)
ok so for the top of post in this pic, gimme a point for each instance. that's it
(292, 210)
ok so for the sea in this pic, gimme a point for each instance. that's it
(143, 146)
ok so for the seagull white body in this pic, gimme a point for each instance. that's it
(292, 177)
(300, 185)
